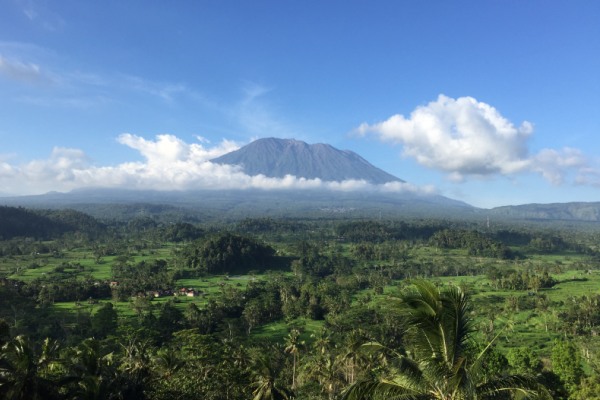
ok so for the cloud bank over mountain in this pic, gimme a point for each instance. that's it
(464, 137)
(169, 163)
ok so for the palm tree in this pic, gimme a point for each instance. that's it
(441, 363)
(25, 374)
(327, 369)
(135, 367)
(264, 376)
(351, 355)
(321, 341)
(94, 373)
(292, 346)
(167, 362)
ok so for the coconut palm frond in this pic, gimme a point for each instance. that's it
(438, 365)
(524, 385)
(375, 390)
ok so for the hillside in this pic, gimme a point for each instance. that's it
(209, 205)
(576, 211)
(44, 224)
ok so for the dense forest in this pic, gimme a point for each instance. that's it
(264, 308)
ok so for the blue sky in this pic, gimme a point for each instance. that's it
(493, 102)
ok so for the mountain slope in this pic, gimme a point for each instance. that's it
(44, 224)
(209, 205)
(280, 157)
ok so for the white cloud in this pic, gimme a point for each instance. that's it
(20, 71)
(6, 170)
(588, 176)
(459, 136)
(169, 164)
(464, 137)
(554, 165)
(169, 148)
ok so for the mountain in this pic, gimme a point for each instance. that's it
(280, 157)
(270, 157)
(277, 158)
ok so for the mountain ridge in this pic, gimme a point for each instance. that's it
(236, 204)
(569, 211)
(276, 158)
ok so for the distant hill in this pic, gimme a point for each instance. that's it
(223, 205)
(280, 157)
(576, 211)
(44, 224)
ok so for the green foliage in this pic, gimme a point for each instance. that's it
(436, 363)
(368, 231)
(588, 389)
(566, 362)
(19, 222)
(548, 244)
(25, 372)
(476, 243)
(381, 231)
(142, 277)
(523, 360)
(582, 313)
(228, 253)
(104, 321)
(334, 290)
(271, 226)
(182, 232)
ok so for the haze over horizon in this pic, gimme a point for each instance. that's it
(489, 103)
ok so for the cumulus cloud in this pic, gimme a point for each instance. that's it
(168, 163)
(465, 137)
(460, 136)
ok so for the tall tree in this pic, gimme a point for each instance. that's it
(566, 363)
(438, 364)
(105, 321)
(94, 375)
(264, 381)
(25, 374)
(292, 346)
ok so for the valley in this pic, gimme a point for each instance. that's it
(206, 294)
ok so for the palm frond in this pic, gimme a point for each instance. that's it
(375, 390)
(524, 385)
(439, 330)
